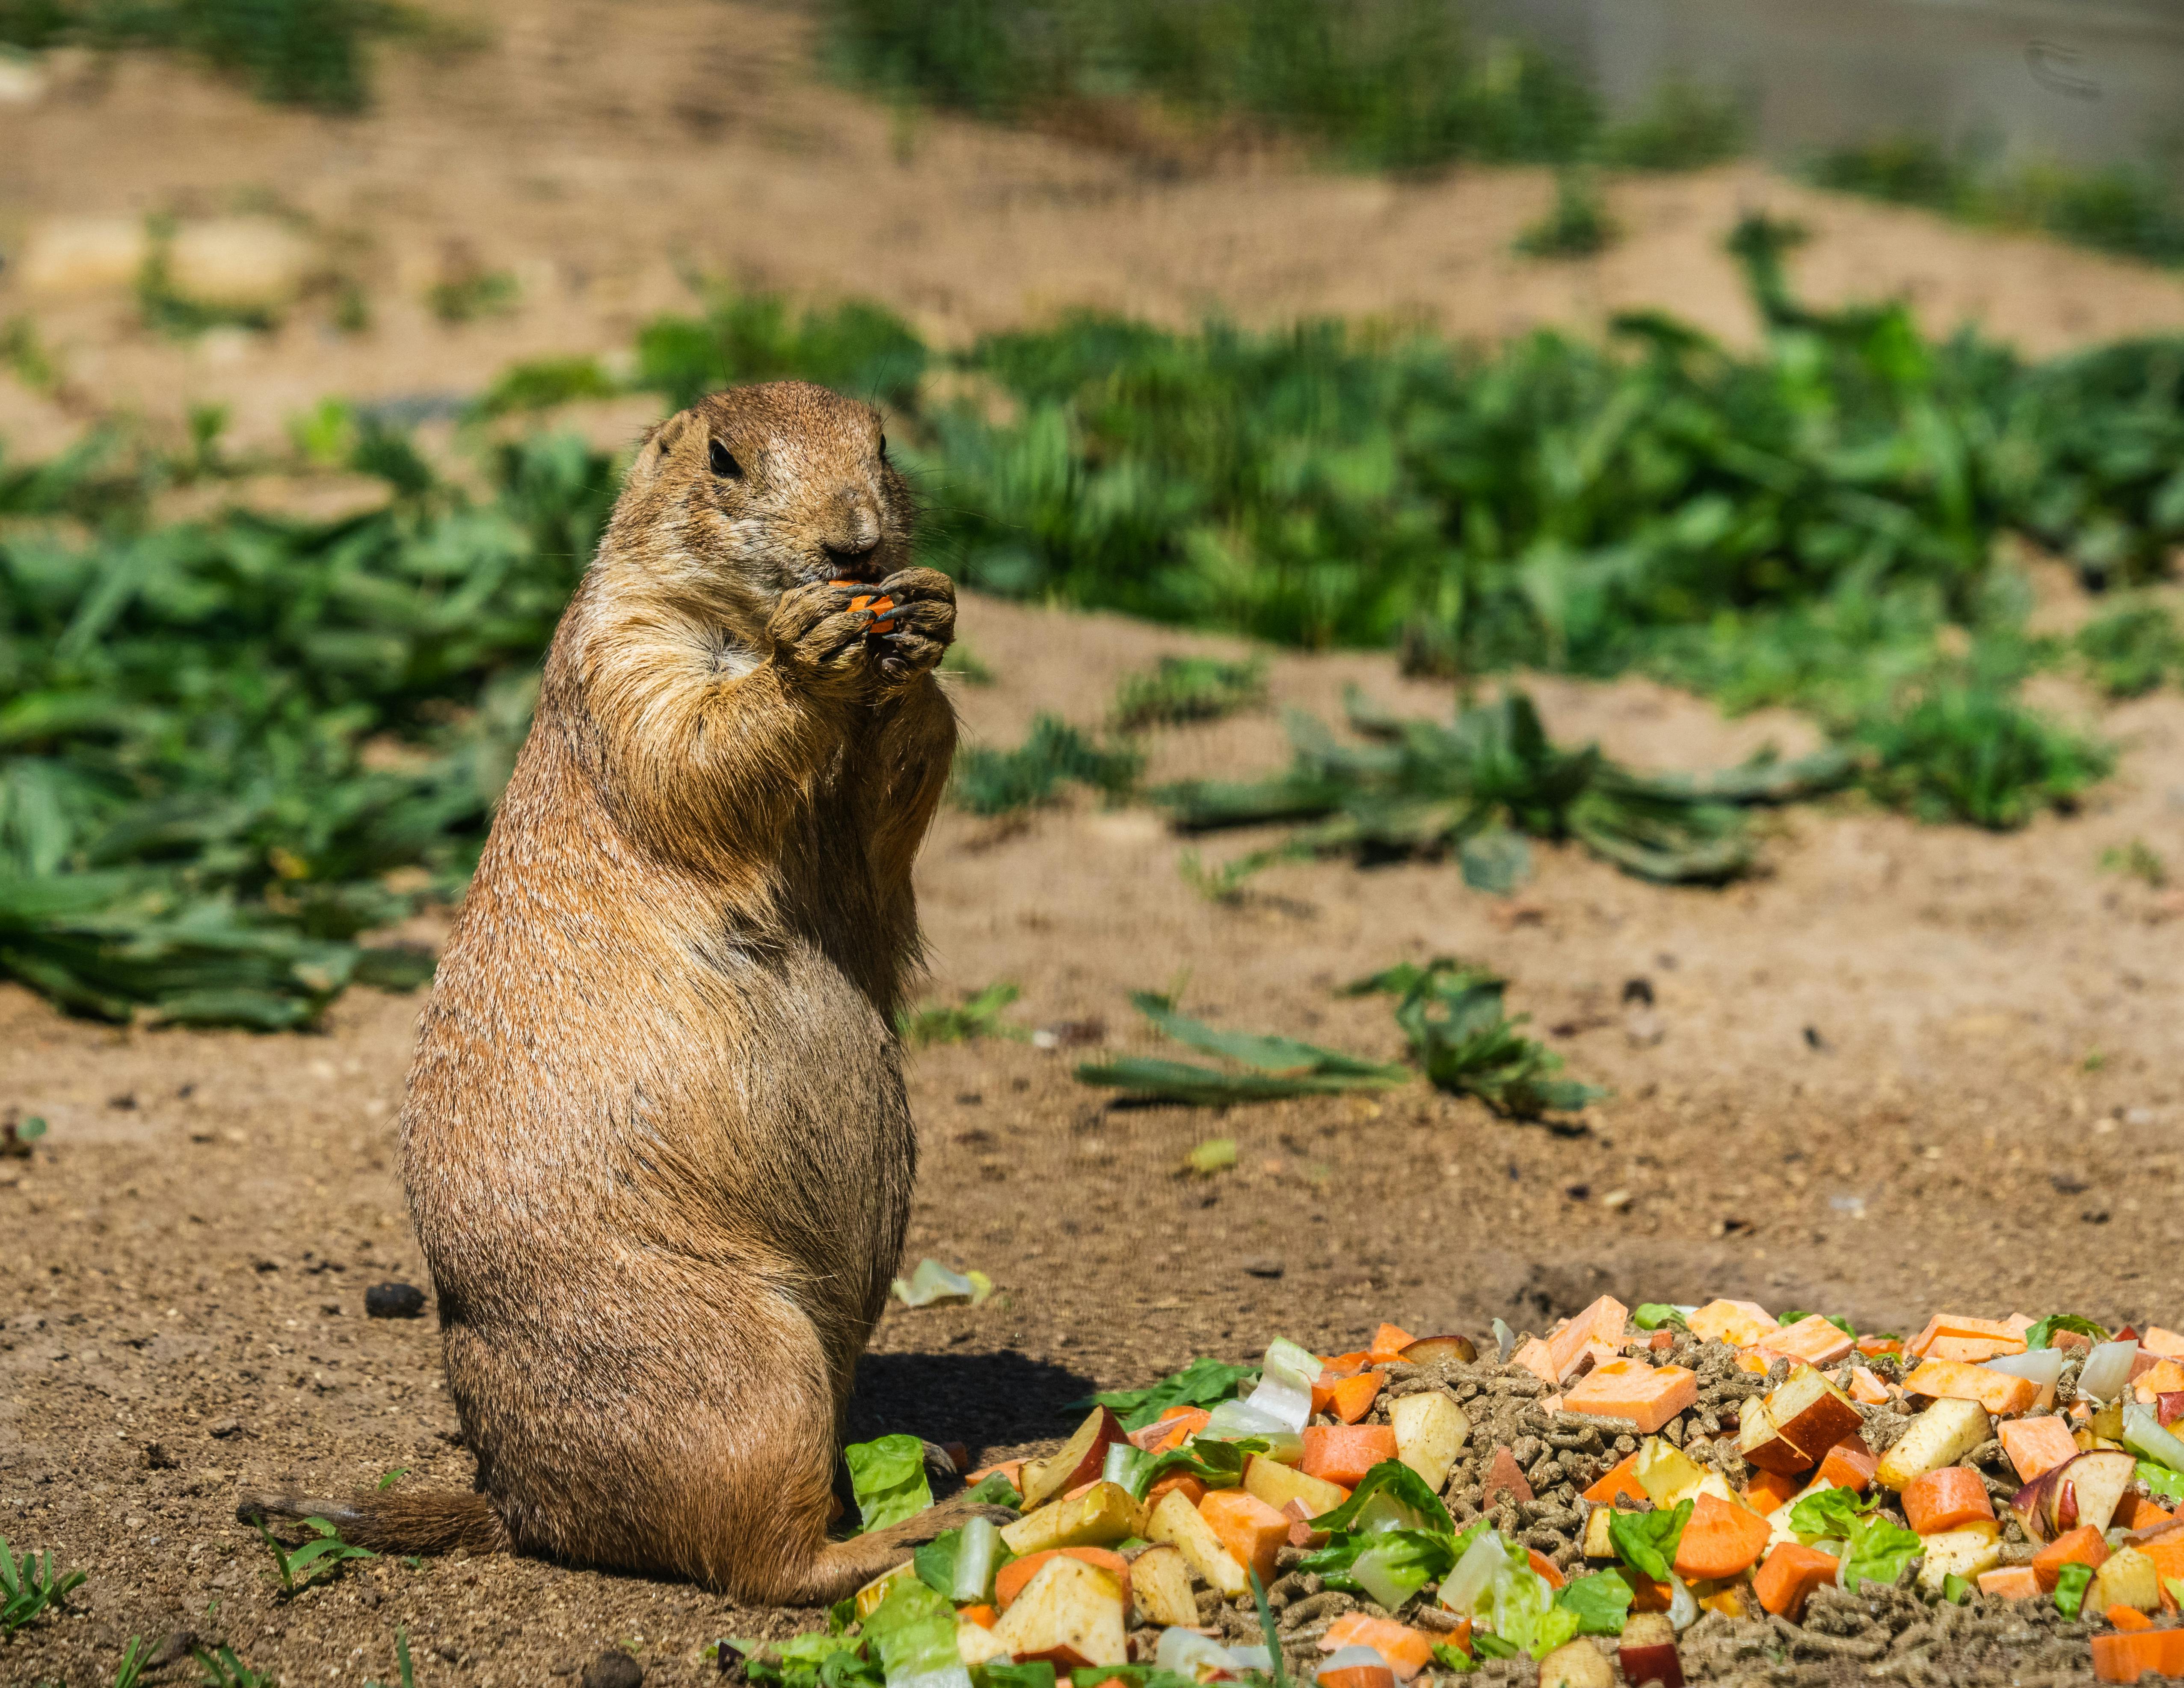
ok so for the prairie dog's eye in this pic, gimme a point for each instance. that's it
(722, 463)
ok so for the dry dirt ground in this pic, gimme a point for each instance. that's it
(1909, 1067)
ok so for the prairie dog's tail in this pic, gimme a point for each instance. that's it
(416, 1521)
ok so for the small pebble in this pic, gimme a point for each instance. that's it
(393, 1301)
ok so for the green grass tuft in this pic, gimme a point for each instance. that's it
(1184, 689)
(990, 782)
(1967, 751)
(978, 1016)
(1577, 224)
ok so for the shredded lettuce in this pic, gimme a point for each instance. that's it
(1218, 1465)
(1454, 1659)
(1601, 1602)
(994, 1490)
(1001, 1673)
(913, 1634)
(1648, 1542)
(1652, 1315)
(889, 1478)
(2070, 1587)
(2041, 1333)
(1486, 1646)
(1203, 1383)
(1520, 1608)
(1832, 1512)
(1836, 1320)
(2164, 1482)
(1399, 1483)
(1877, 1549)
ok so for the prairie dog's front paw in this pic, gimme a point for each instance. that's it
(916, 634)
(819, 640)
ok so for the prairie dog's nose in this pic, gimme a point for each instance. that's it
(855, 529)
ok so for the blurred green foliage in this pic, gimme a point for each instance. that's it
(1385, 85)
(2135, 210)
(309, 52)
(1576, 226)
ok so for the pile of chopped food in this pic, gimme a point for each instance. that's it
(1682, 1492)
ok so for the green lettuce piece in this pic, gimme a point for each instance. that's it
(994, 1490)
(1955, 1588)
(1412, 1557)
(1601, 1601)
(888, 1477)
(913, 1632)
(1877, 1549)
(1001, 1673)
(824, 1659)
(1648, 1542)
(1832, 1512)
(1400, 1482)
(2070, 1587)
(1652, 1315)
(1218, 1465)
(1484, 1644)
(1520, 1608)
(1454, 1659)
(1798, 1315)
(2042, 1332)
(1203, 1383)
(2164, 1482)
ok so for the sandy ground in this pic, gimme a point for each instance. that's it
(1909, 1068)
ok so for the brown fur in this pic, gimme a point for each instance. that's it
(656, 1142)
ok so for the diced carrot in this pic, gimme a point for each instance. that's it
(2128, 1617)
(1388, 1344)
(1973, 1350)
(1357, 1676)
(1646, 1594)
(1789, 1576)
(2080, 1546)
(1764, 1491)
(1850, 1464)
(1344, 1453)
(1620, 1484)
(2127, 1657)
(1647, 1396)
(1545, 1567)
(1009, 1581)
(1248, 1527)
(1874, 1347)
(1406, 1651)
(2010, 1582)
(1537, 1358)
(1459, 1637)
(1963, 1324)
(1738, 1323)
(2163, 1377)
(2166, 1343)
(1812, 1339)
(1181, 1483)
(1011, 1468)
(1175, 1426)
(2168, 1557)
(983, 1616)
(1720, 1539)
(1353, 1397)
(1346, 1365)
(1604, 1322)
(2136, 1511)
(2037, 1445)
(1998, 1392)
(1946, 1499)
(1866, 1387)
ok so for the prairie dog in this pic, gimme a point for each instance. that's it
(656, 1140)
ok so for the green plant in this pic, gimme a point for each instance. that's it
(29, 1586)
(409, 1677)
(2131, 650)
(473, 294)
(23, 352)
(2137, 860)
(543, 383)
(989, 782)
(319, 1559)
(134, 1659)
(1682, 127)
(1183, 688)
(1272, 1067)
(17, 1135)
(978, 1016)
(1967, 751)
(1577, 224)
(855, 347)
(223, 1669)
(1464, 1039)
(1475, 786)
(177, 315)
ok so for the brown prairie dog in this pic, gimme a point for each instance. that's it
(656, 1142)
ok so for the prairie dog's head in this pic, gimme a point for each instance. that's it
(757, 490)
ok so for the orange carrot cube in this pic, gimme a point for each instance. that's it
(1344, 1453)
(2080, 1546)
(1352, 1398)
(1946, 1499)
(2037, 1445)
(1998, 1392)
(1962, 1324)
(1406, 1651)
(2127, 1657)
(1388, 1344)
(1646, 1396)
(1248, 1528)
(1849, 1464)
(1720, 1539)
(2010, 1582)
(1790, 1575)
(1619, 1484)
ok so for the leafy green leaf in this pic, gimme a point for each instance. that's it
(1395, 1481)
(1648, 1542)
(1877, 1549)
(1833, 1512)
(888, 1477)
(2070, 1587)
(1455, 1659)
(1601, 1602)
(1205, 1382)
(1652, 1315)
(994, 1490)
(1795, 1317)
(1485, 1644)
(2043, 1333)
(1460, 1034)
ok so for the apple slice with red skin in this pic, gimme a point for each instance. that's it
(1081, 1459)
(2084, 1490)
(1648, 1651)
(2170, 1407)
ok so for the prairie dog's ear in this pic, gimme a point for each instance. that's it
(658, 445)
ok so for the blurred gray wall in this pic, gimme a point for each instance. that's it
(2084, 83)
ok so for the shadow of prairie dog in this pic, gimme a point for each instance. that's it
(655, 1141)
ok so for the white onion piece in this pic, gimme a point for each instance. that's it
(2042, 1365)
(1284, 1390)
(1186, 1652)
(1233, 1420)
(2108, 1370)
(1683, 1605)
(1466, 1585)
